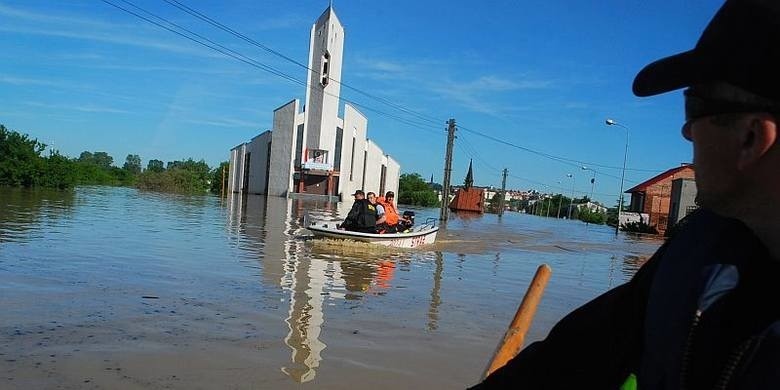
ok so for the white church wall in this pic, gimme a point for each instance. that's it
(373, 166)
(258, 163)
(392, 176)
(280, 180)
(236, 172)
(355, 124)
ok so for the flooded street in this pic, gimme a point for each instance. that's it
(114, 288)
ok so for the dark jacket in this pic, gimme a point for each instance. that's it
(361, 216)
(702, 313)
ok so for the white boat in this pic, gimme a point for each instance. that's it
(418, 235)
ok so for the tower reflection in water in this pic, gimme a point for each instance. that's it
(271, 228)
(269, 225)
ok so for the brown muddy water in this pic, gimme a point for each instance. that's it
(111, 288)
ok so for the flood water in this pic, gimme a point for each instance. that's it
(113, 288)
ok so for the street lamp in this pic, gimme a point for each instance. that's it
(573, 180)
(560, 198)
(592, 180)
(611, 122)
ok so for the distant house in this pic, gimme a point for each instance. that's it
(468, 197)
(654, 197)
(592, 207)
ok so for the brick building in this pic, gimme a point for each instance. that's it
(654, 196)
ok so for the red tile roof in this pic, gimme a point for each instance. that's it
(671, 172)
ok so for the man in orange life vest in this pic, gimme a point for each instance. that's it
(391, 214)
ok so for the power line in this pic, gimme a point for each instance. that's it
(197, 14)
(564, 160)
(223, 27)
(427, 126)
(469, 149)
(195, 37)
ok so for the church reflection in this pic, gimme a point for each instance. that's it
(270, 228)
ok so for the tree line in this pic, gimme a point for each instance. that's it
(24, 164)
(414, 190)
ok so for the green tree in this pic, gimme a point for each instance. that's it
(96, 169)
(155, 166)
(413, 190)
(495, 202)
(586, 215)
(132, 164)
(100, 159)
(188, 176)
(59, 172)
(219, 177)
(612, 213)
(86, 157)
(103, 160)
(20, 158)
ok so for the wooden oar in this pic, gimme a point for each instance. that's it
(513, 339)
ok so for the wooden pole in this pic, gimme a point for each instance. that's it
(222, 195)
(445, 189)
(513, 339)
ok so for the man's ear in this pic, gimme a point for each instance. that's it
(756, 138)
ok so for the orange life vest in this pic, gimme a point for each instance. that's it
(391, 215)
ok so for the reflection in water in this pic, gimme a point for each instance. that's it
(433, 309)
(23, 210)
(358, 277)
(632, 263)
(270, 225)
(86, 258)
(269, 228)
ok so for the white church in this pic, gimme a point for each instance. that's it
(310, 149)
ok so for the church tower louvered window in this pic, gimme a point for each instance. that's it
(324, 77)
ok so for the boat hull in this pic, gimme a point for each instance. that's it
(426, 235)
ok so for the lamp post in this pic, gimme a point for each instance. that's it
(560, 198)
(611, 122)
(592, 180)
(571, 201)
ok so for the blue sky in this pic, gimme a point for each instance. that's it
(542, 75)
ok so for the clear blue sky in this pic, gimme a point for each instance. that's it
(543, 75)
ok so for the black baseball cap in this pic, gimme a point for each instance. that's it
(740, 46)
(390, 194)
(359, 192)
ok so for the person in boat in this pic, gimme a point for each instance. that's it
(406, 222)
(391, 214)
(704, 311)
(362, 217)
(381, 220)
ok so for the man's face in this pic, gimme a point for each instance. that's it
(715, 152)
(359, 197)
(372, 198)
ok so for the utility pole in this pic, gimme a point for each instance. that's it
(503, 194)
(222, 194)
(445, 187)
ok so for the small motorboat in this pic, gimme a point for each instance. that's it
(418, 235)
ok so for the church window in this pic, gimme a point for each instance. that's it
(324, 78)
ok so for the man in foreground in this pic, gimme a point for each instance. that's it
(703, 312)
